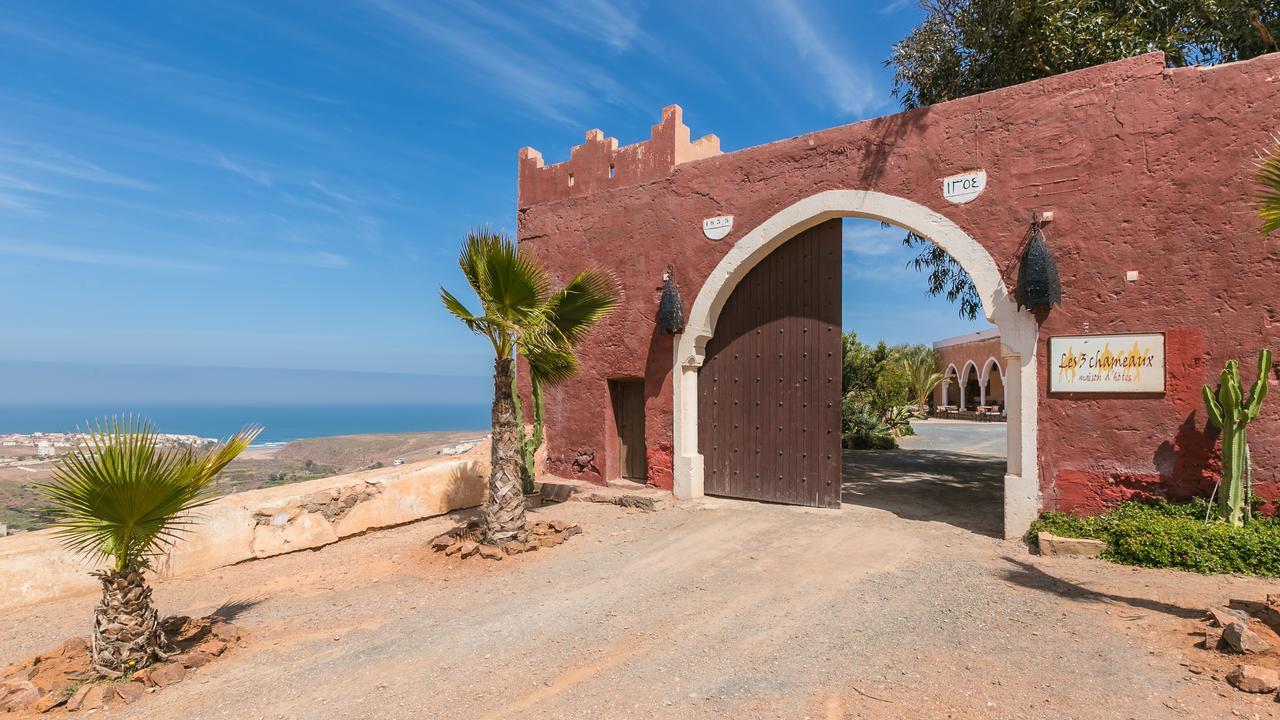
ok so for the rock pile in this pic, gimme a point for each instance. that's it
(63, 679)
(1244, 634)
(465, 541)
(332, 504)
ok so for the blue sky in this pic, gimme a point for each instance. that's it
(284, 184)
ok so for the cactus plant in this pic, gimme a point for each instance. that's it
(1232, 411)
(528, 444)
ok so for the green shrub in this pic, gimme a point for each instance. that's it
(898, 419)
(862, 428)
(1174, 535)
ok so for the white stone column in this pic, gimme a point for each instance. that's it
(1021, 486)
(687, 462)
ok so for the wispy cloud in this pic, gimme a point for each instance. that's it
(518, 63)
(848, 83)
(203, 260)
(50, 161)
(613, 22)
(866, 239)
(894, 6)
(254, 175)
(331, 193)
(59, 253)
(14, 202)
(320, 259)
(240, 102)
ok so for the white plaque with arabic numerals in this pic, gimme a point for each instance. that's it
(717, 228)
(965, 187)
(1107, 363)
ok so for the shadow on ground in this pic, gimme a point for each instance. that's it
(232, 609)
(1032, 577)
(959, 489)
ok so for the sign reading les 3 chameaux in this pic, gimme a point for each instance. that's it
(1107, 363)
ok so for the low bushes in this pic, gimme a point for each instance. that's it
(1174, 535)
(862, 428)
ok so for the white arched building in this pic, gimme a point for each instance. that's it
(975, 375)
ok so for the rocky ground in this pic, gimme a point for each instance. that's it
(902, 604)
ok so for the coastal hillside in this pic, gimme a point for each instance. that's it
(352, 452)
(21, 508)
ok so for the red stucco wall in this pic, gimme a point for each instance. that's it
(1145, 168)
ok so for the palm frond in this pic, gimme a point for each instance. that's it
(550, 363)
(921, 368)
(119, 495)
(510, 285)
(460, 311)
(589, 296)
(1269, 189)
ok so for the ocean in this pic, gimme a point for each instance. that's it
(280, 423)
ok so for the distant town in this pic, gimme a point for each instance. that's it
(17, 450)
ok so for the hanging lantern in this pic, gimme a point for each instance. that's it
(670, 309)
(1038, 285)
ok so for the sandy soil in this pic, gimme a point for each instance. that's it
(899, 605)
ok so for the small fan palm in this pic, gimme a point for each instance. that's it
(923, 378)
(1269, 189)
(521, 315)
(121, 498)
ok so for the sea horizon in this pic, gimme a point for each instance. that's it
(281, 423)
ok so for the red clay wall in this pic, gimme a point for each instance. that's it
(1145, 168)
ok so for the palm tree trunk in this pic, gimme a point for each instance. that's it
(126, 626)
(504, 511)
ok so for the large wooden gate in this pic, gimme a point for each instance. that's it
(769, 388)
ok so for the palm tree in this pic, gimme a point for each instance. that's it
(121, 497)
(921, 367)
(1269, 189)
(520, 315)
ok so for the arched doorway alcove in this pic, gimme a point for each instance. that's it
(1018, 331)
(992, 384)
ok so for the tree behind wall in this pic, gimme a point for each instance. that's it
(965, 47)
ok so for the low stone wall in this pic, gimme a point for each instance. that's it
(260, 523)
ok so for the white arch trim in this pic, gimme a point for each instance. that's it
(986, 371)
(947, 376)
(964, 383)
(1018, 331)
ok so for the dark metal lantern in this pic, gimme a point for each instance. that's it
(1038, 285)
(670, 309)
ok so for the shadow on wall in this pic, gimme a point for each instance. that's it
(657, 371)
(966, 491)
(463, 477)
(1187, 466)
(1190, 461)
(889, 132)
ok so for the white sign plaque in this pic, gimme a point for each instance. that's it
(716, 228)
(963, 188)
(1107, 363)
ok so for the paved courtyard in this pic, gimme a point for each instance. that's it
(949, 471)
(900, 604)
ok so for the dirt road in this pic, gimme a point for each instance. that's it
(709, 609)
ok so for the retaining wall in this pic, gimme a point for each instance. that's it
(261, 523)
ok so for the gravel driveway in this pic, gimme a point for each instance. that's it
(891, 607)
